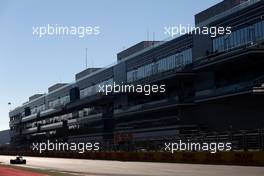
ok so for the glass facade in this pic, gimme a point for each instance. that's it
(37, 109)
(239, 37)
(59, 101)
(92, 90)
(175, 61)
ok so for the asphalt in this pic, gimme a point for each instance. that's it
(8, 171)
(116, 168)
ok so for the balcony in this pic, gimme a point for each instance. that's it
(51, 126)
(234, 89)
(30, 130)
(15, 122)
(150, 106)
(47, 112)
(240, 52)
(84, 118)
(139, 107)
(28, 118)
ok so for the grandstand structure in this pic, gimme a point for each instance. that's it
(214, 91)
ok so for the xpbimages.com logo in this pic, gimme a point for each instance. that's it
(64, 146)
(146, 89)
(213, 31)
(211, 147)
(51, 30)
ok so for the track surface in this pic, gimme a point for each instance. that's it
(7, 171)
(109, 168)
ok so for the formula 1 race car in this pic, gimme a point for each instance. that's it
(18, 160)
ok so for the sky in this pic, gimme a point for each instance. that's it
(30, 64)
